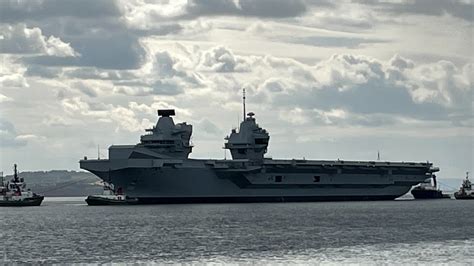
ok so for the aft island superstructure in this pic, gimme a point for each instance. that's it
(159, 170)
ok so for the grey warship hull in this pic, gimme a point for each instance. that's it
(158, 170)
(192, 181)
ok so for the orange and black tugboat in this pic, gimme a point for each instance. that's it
(14, 193)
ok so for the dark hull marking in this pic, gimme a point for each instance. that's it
(178, 200)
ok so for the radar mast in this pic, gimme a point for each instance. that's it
(243, 103)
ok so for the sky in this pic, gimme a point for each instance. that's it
(328, 79)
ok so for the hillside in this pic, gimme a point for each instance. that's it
(61, 183)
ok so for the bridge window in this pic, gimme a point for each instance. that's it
(316, 178)
(261, 141)
(278, 178)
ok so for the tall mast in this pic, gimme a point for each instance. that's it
(15, 173)
(243, 101)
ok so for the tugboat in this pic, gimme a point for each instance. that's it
(426, 190)
(110, 196)
(465, 192)
(15, 194)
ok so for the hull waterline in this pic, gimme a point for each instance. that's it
(35, 201)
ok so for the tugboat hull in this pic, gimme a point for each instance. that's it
(101, 201)
(460, 196)
(34, 201)
(428, 194)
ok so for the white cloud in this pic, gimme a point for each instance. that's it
(4, 98)
(29, 137)
(442, 83)
(13, 80)
(12, 74)
(20, 39)
(221, 59)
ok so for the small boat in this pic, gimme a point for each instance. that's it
(110, 196)
(15, 194)
(465, 192)
(426, 190)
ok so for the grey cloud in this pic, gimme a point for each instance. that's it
(94, 73)
(365, 120)
(22, 10)
(456, 8)
(164, 64)
(208, 127)
(8, 135)
(86, 89)
(401, 63)
(101, 43)
(164, 67)
(254, 8)
(273, 8)
(211, 7)
(160, 30)
(365, 87)
(144, 89)
(221, 59)
(366, 99)
(43, 71)
(19, 39)
(115, 51)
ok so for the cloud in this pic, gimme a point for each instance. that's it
(4, 98)
(163, 64)
(342, 18)
(124, 117)
(143, 89)
(363, 87)
(86, 88)
(221, 59)
(272, 8)
(163, 74)
(43, 71)
(333, 41)
(109, 51)
(18, 39)
(252, 8)
(21, 10)
(336, 117)
(12, 74)
(455, 8)
(206, 127)
(9, 136)
(13, 80)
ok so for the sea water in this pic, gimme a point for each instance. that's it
(66, 230)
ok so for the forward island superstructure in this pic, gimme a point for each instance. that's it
(159, 170)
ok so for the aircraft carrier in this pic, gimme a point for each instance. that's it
(159, 170)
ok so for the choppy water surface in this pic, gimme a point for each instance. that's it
(407, 231)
